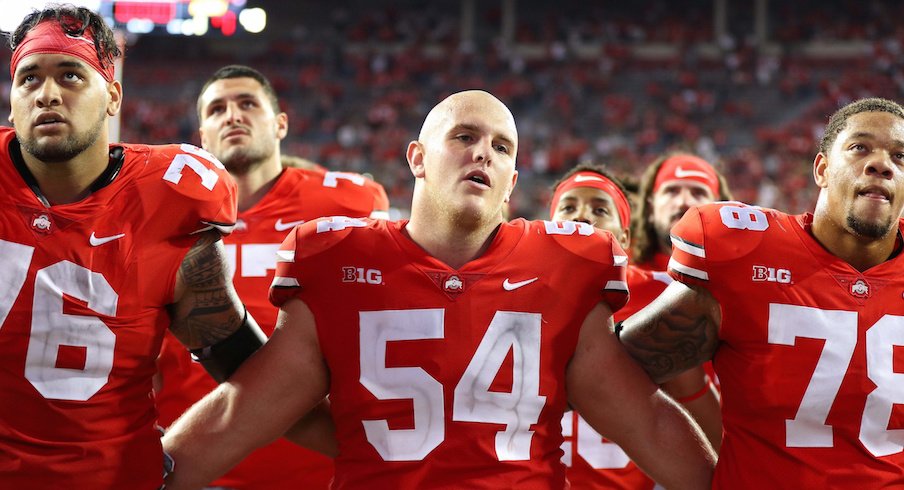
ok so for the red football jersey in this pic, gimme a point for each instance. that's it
(810, 355)
(298, 195)
(475, 405)
(592, 461)
(83, 312)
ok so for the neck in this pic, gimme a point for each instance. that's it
(254, 185)
(69, 181)
(455, 242)
(860, 252)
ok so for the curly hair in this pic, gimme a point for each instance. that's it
(644, 241)
(839, 119)
(74, 21)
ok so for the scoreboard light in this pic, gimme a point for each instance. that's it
(184, 17)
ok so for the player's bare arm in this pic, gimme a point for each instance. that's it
(697, 394)
(677, 331)
(208, 316)
(316, 431)
(240, 415)
(620, 402)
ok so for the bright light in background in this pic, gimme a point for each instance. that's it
(16, 10)
(140, 26)
(207, 8)
(253, 20)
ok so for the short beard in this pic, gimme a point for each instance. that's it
(68, 149)
(869, 230)
(244, 160)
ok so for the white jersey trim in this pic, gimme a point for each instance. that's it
(688, 247)
(620, 260)
(687, 271)
(617, 286)
(285, 256)
(285, 282)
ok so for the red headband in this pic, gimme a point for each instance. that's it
(596, 181)
(687, 167)
(48, 38)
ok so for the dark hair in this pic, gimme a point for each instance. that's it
(644, 242)
(74, 21)
(839, 120)
(590, 167)
(241, 71)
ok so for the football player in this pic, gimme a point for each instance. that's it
(450, 343)
(670, 186)
(102, 248)
(801, 316)
(590, 194)
(242, 125)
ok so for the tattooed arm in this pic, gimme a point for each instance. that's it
(206, 308)
(677, 331)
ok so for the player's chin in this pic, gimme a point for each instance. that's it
(869, 225)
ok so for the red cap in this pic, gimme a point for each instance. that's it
(596, 181)
(48, 38)
(687, 167)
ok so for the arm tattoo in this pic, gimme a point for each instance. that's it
(208, 310)
(674, 333)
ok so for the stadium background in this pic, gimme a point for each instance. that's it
(748, 85)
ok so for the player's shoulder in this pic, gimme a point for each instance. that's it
(727, 230)
(333, 232)
(182, 169)
(581, 241)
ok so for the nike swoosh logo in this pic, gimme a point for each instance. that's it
(511, 286)
(98, 241)
(280, 226)
(585, 178)
(683, 174)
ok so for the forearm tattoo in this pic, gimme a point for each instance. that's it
(672, 336)
(209, 310)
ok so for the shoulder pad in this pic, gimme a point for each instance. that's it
(719, 233)
(583, 240)
(315, 237)
(191, 180)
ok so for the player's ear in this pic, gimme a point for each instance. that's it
(820, 170)
(624, 238)
(114, 100)
(415, 155)
(282, 125)
(508, 192)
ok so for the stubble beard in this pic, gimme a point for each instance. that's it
(869, 230)
(242, 160)
(69, 148)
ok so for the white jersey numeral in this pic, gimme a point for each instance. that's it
(331, 179)
(173, 173)
(53, 330)
(599, 453)
(839, 330)
(256, 259)
(567, 228)
(743, 218)
(339, 223)
(473, 401)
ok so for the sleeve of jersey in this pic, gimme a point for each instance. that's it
(615, 290)
(207, 190)
(299, 259)
(688, 263)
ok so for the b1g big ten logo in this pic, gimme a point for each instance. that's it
(362, 275)
(762, 273)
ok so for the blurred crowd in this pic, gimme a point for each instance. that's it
(609, 83)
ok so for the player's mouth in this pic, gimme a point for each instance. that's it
(875, 193)
(235, 132)
(49, 120)
(479, 177)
